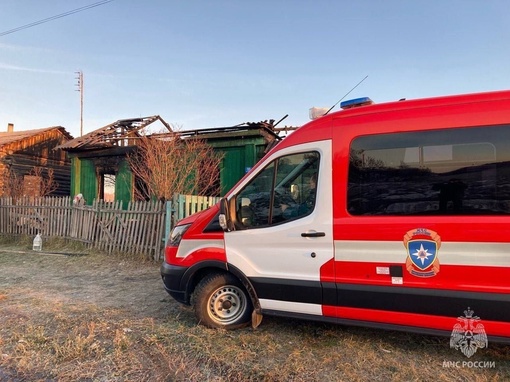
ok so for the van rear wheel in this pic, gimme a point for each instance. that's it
(220, 301)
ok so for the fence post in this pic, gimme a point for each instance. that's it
(179, 208)
(168, 219)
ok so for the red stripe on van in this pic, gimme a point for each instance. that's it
(492, 328)
(450, 277)
(467, 229)
(203, 254)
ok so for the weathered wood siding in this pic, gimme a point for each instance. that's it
(37, 151)
(140, 229)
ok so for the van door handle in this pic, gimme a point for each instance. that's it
(313, 234)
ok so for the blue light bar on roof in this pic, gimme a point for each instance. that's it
(363, 101)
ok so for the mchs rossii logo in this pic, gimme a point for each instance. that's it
(468, 334)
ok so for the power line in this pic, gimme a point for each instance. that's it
(84, 8)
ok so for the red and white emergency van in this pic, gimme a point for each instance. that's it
(392, 215)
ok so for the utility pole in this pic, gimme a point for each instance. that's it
(79, 86)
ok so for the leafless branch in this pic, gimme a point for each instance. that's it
(164, 166)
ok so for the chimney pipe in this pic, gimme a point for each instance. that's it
(10, 127)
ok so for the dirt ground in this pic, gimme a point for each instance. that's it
(34, 285)
(109, 283)
(105, 318)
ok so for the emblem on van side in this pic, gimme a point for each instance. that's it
(422, 252)
(468, 334)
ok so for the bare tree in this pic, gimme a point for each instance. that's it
(168, 164)
(35, 183)
(47, 183)
(13, 184)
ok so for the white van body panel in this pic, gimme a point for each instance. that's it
(279, 251)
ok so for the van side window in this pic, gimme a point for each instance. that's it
(284, 190)
(461, 171)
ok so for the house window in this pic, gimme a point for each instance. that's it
(107, 187)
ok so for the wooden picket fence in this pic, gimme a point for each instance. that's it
(182, 206)
(140, 228)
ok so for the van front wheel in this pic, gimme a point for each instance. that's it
(220, 301)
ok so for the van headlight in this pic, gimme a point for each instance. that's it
(176, 235)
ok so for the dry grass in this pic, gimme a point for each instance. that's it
(98, 318)
(58, 245)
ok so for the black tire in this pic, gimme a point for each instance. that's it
(220, 301)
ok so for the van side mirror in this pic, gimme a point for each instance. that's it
(223, 216)
(227, 217)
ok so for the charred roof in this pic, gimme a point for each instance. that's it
(118, 133)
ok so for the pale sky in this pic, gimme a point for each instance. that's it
(201, 64)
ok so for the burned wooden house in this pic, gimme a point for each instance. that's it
(100, 168)
(241, 147)
(99, 165)
(30, 163)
